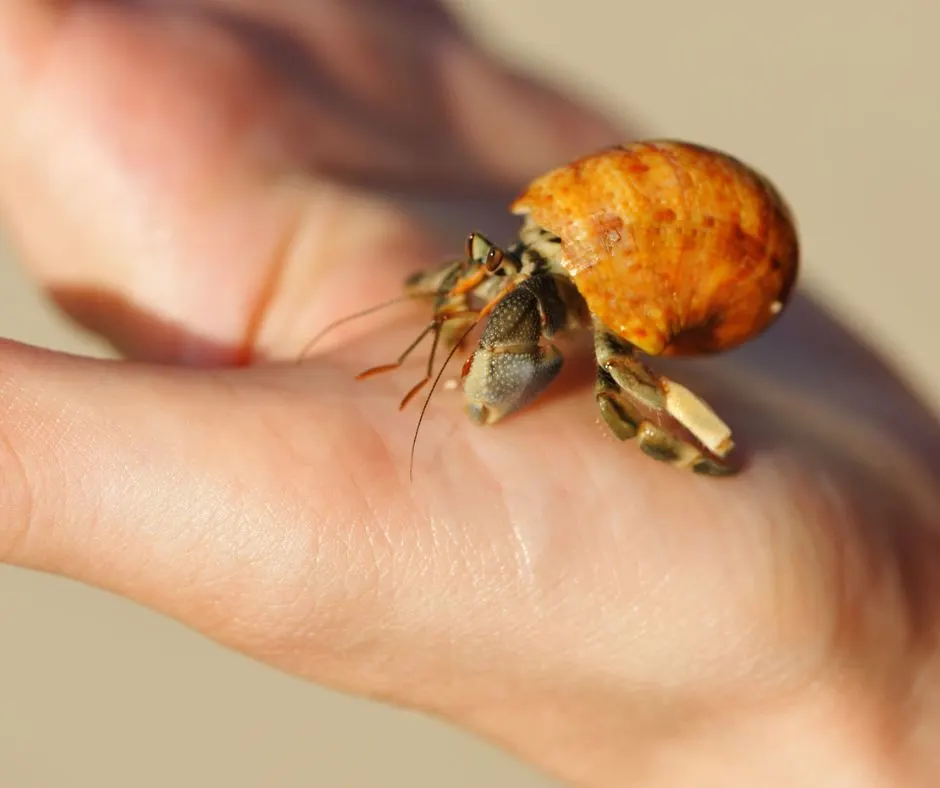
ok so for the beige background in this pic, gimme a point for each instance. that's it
(838, 100)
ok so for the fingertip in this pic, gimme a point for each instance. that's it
(28, 466)
(194, 494)
(73, 445)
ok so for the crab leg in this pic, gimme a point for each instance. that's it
(669, 422)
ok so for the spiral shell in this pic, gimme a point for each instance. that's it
(677, 248)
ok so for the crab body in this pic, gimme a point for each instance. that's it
(660, 247)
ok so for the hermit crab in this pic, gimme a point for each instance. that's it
(660, 248)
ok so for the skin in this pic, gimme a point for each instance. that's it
(207, 200)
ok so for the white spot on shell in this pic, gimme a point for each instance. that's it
(775, 307)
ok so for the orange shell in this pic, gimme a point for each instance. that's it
(677, 248)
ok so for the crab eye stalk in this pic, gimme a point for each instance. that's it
(480, 249)
(468, 246)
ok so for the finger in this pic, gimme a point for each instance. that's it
(142, 143)
(122, 478)
(269, 510)
(204, 191)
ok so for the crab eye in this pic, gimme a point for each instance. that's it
(494, 259)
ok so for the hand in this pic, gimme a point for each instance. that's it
(207, 184)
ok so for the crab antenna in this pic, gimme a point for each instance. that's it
(427, 400)
(354, 316)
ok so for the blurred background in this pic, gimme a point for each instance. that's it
(838, 101)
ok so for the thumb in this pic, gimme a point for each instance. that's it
(163, 485)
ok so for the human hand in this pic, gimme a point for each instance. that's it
(208, 184)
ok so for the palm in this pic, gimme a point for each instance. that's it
(234, 221)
